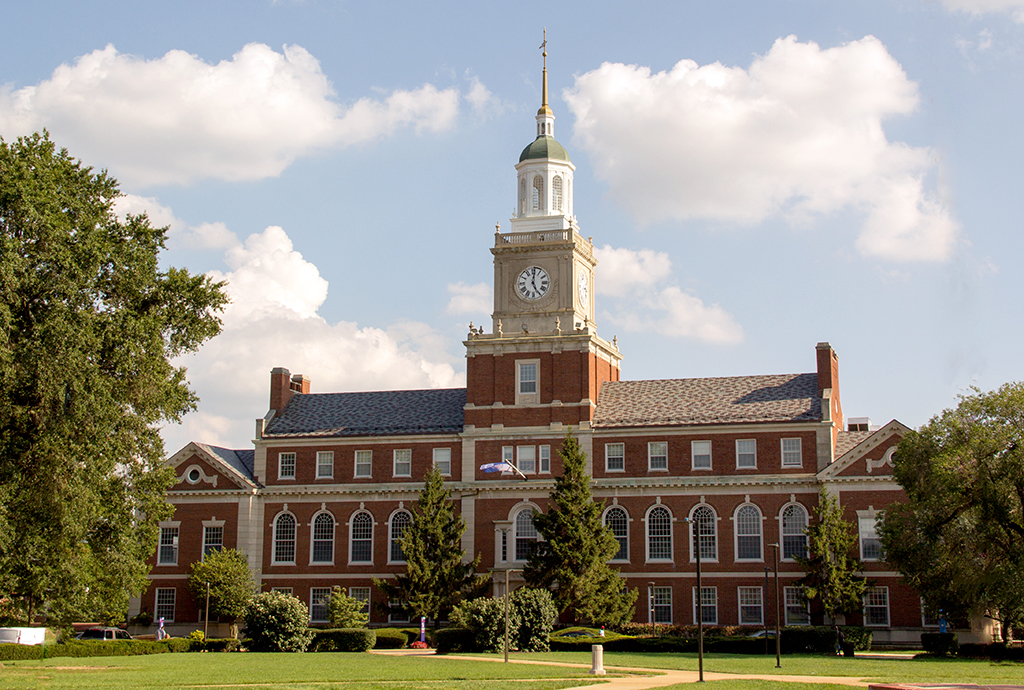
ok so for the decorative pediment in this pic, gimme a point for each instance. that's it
(871, 457)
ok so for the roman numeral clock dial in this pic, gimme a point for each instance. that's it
(533, 283)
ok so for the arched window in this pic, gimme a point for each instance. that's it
(704, 528)
(526, 534)
(284, 538)
(538, 193)
(748, 533)
(323, 538)
(794, 522)
(361, 544)
(400, 522)
(659, 534)
(522, 196)
(556, 193)
(618, 522)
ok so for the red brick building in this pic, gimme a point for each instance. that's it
(322, 496)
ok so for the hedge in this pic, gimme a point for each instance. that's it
(997, 651)
(11, 652)
(390, 638)
(343, 640)
(942, 644)
(449, 640)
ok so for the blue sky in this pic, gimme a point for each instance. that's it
(757, 176)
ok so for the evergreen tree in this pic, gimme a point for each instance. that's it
(831, 566)
(344, 611)
(435, 578)
(573, 558)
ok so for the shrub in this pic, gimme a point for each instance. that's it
(858, 636)
(343, 640)
(419, 645)
(179, 644)
(449, 640)
(390, 638)
(15, 652)
(344, 611)
(413, 634)
(485, 617)
(277, 622)
(537, 616)
(225, 644)
(941, 644)
(972, 650)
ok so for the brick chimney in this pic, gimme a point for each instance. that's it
(283, 385)
(828, 389)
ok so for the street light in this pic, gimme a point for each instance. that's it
(695, 526)
(765, 618)
(778, 636)
(206, 618)
(650, 605)
(508, 595)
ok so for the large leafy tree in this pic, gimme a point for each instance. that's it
(959, 538)
(231, 584)
(435, 579)
(572, 560)
(831, 567)
(89, 323)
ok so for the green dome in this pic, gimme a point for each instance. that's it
(544, 147)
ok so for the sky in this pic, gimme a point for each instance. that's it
(757, 177)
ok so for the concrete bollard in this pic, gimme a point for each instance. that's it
(597, 663)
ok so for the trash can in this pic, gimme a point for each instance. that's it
(847, 649)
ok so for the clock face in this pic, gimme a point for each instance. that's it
(581, 287)
(533, 283)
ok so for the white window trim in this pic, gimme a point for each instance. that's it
(888, 609)
(651, 605)
(352, 593)
(604, 521)
(519, 459)
(211, 523)
(394, 462)
(324, 453)
(527, 398)
(351, 525)
(156, 601)
(273, 542)
(785, 607)
(671, 536)
(739, 605)
(175, 541)
(736, 534)
(650, 456)
(544, 459)
(607, 457)
(694, 596)
(782, 452)
(327, 611)
(449, 450)
(391, 537)
(691, 524)
(693, 455)
(334, 537)
(782, 535)
(868, 515)
(746, 440)
(283, 590)
(295, 465)
(357, 464)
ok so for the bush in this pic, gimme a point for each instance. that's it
(178, 644)
(449, 640)
(858, 636)
(344, 611)
(277, 622)
(413, 635)
(16, 652)
(941, 644)
(972, 650)
(537, 616)
(821, 639)
(390, 638)
(343, 640)
(485, 617)
(225, 644)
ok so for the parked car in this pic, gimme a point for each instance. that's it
(22, 635)
(103, 634)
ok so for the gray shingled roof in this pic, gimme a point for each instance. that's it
(240, 460)
(848, 440)
(727, 400)
(377, 413)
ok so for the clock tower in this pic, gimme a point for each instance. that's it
(543, 363)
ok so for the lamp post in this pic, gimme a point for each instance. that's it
(778, 636)
(698, 599)
(650, 605)
(206, 618)
(763, 607)
(508, 596)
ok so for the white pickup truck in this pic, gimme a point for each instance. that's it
(22, 635)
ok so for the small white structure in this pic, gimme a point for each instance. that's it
(22, 635)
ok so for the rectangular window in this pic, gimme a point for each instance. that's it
(527, 377)
(545, 459)
(286, 465)
(397, 613)
(403, 463)
(165, 604)
(504, 545)
(443, 461)
(746, 453)
(508, 457)
(615, 457)
(797, 607)
(362, 594)
(213, 539)
(657, 455)
(870, 544)
(661, 605)
(325, 464)
(526, 459)
(364, 463)
(708, 605)
(792, 456)
(929, 618)
(318, 597)
(876, 606)
(282, 590)
(168, 554)
(751, 606)
(700, 451)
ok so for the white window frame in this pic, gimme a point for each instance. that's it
(696, 446)
(746, 452)
(535, 538)
(508, 456)
(927, 620)
(749, 591)
(392, 540)
(604, 521)
(526, 464)
(662, 456)
(295, 539)
(313, 538)
(527, 397)
(325, 464)
(281, 466)
(737, 534)
(443, 461)
(363, 595)
(212, 525)
(608, 456)
(782, 530)
(544, 459)
(659, 598)
(351, 536)
(283, 590)
(157, 604)
(396, 618)
(708, 593)
(867, 528)
(788, 604)
(317, 593)
(882, 593)
(693, 532)
(648, 535)
(363, 459)
(173, 533)
(795, 455)
(396, 462)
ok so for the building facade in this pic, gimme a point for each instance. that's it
(324, 493)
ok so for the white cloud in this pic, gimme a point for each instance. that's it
(631, 282)
(484, 102)
(1014, 8)
(273, 321)
(798, 134)
(180, 235)
(470, 299)
(176, 119)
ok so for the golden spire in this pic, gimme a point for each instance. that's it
(544, 109)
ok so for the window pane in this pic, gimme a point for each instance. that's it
(168, 554)
(750, 606)
(708, 605)
(403, 463)
(526, 534)
(748, 533)
(545, 458)
(363, 595)
(286, 466)
(791, 453)
(661, 604)
(705, 526)
(323, 538)
(657, 455)
(615, 519)
(213, 539)
(659, 535)
(364, 463)
(325, 464)
(876, 606)
(165, 604)
(746, 453)
(318, 597)
(443, 460)
(284, 539)
(527, 378)
(701, 453)
(399, 523)
(362, 538)
(870, 544)
(615, 457)
(794, 541)
(527, 459)
(797, 612)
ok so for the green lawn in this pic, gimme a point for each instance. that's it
(294, 671)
